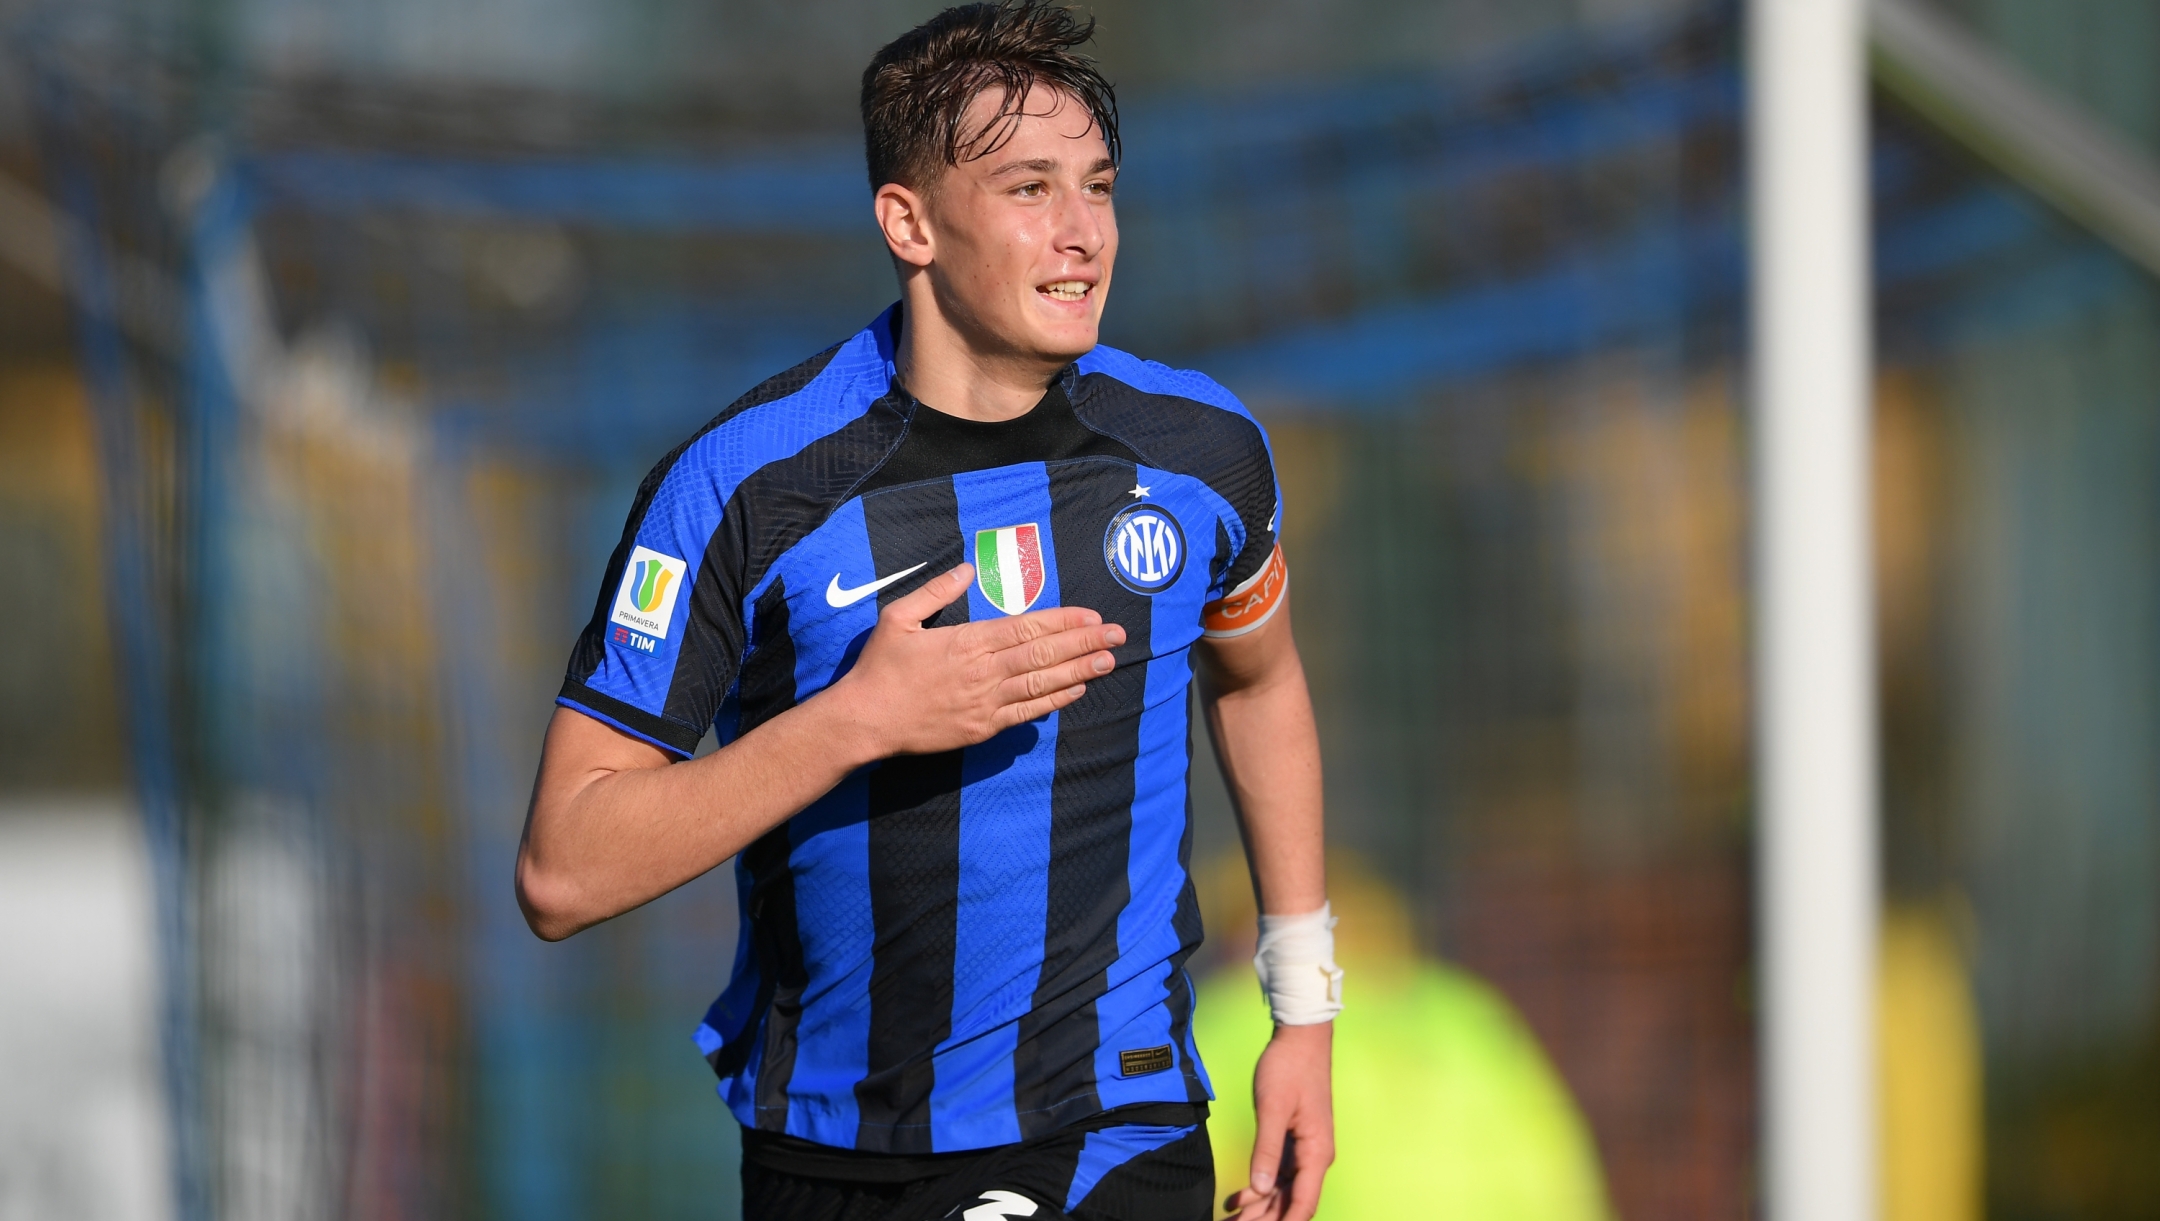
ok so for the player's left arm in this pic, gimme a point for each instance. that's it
(1252, 688)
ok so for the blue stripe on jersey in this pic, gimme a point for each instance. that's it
(1192, 1045)
(1104, 1151)
(829, 852)
(1004, 858)
(829, 845)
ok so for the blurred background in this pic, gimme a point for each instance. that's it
(335, 337)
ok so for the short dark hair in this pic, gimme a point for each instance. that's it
(917, 88)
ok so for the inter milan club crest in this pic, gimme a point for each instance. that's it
(1144, 548)
(1009, 566)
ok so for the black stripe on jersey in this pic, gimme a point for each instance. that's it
(592, 642)
(768, 674)
(1098, 741)
(914, 818)
(1220, 448)
(782, 975)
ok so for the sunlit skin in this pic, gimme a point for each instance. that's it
(1004, 264)
(1004, 261)
(1253, 694)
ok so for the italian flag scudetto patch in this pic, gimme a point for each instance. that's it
(1009, 566)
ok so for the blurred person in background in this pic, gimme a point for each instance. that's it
(942, 590)
(1449, 1105)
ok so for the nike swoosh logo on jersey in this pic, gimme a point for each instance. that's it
(836, 596)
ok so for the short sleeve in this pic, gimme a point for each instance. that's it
(665, 643)
(1256, 580)
(1248, 482)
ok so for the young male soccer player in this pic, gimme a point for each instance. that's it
(943, 588)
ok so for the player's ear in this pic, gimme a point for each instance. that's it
(905, 221)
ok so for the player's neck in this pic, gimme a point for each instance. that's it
(950, 370)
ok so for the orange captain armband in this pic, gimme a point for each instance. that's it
(1250, 604)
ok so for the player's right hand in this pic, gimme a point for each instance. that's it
(918, 690)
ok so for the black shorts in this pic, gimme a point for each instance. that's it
(1120, 1171)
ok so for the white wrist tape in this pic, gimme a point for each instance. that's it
(1297, 967)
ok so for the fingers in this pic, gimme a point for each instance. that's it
(1048, 652)
(1270, 1126)
(1033, 684)
(993, 635)
(1028, 710)
(1245, 1204)
(1305, 1182)
(936, 594)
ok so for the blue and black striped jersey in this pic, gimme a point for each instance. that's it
(961, 950)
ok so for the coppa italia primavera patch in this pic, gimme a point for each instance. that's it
(1009, 566)
(646, 601)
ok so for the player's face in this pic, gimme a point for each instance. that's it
(1025, 236)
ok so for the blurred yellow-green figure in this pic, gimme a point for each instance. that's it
(1445, 1105)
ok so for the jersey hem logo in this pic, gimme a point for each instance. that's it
(1146, 1060)
(646, 602)
(837, 597)
(1144, 548)
(1009, 566)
